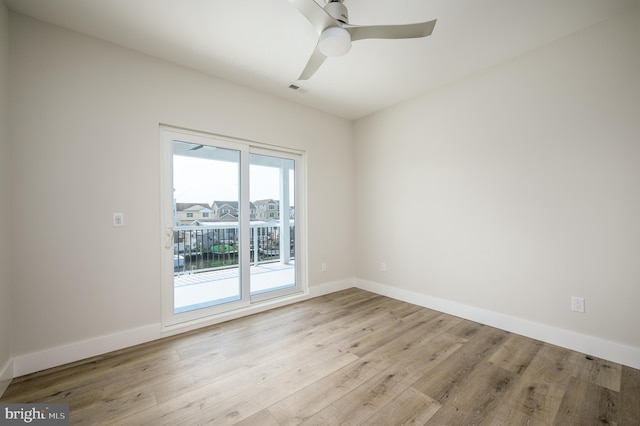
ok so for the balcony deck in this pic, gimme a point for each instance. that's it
(198, 290)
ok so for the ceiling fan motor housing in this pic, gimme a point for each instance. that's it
(337, 10)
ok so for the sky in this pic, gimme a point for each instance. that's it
(198, 180)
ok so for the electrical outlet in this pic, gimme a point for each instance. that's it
(324, 266)
(383, 266)
(577, 304)
(118, 219)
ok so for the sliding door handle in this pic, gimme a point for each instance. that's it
(169, 241)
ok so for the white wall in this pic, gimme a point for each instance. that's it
(5, 275)
(84, 134)
(515, 189)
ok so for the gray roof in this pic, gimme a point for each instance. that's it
(186, 206)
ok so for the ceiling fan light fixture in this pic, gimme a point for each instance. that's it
(334, 41)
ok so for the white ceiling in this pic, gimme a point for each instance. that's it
(265, 44)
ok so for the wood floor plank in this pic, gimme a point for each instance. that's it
(553, 364)
(537, 395)
(586, 403)
(454, 371)
(370, 397)
(334, 387)
(366, 400)
(321, 309)
(218, 390)
(598, 371)
(391, 330)
(241, 341)
(410, 407)
(466, 328)
(476, 402)
(111, 406)
(343, 300)
(516, 353)
(98, 372)
(507, 416)
(302, 405)
(261, 418)
(267, 393)
(222, 399)
(630, 397)
(406, 350)
(419, 354)
(350, 357)
(328, 416)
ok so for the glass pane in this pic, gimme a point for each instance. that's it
(272, 194)
(206, 232)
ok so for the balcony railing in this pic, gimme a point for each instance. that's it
(215, 245)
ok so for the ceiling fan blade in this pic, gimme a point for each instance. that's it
(422, 29)
(318, 17)
(316, 59)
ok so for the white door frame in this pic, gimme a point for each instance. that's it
(170, 320)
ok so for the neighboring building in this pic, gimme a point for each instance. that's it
(227, 211)
(267, 209)
(218, 211)
(186, 213)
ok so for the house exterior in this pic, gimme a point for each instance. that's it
(267, 210)
(227, 211)
(218, 211)
(186, 213)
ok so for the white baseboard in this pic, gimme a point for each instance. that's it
(331, 287)
(6, 375)
(76, 351)
(53, 357)
(598, 347)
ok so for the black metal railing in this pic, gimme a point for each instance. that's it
(217, 245)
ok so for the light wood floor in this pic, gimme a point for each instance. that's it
(350, 357)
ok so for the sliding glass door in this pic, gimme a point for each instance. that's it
(272, 191)
(230, 216)
(206, 252)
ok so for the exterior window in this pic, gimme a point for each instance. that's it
(205, 214)
(189, 214)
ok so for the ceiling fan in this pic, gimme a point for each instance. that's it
(336, 34)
